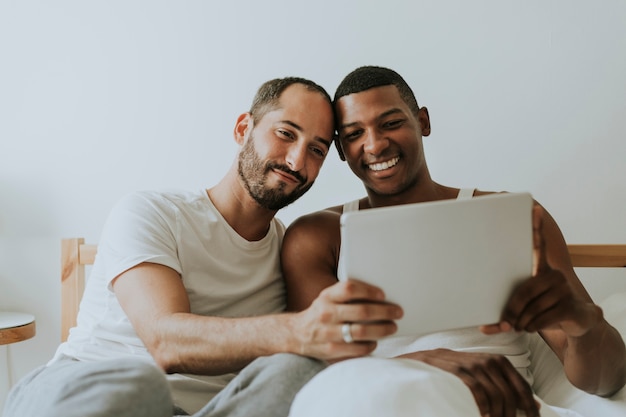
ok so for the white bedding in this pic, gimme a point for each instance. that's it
(387, 388)
(552, 385)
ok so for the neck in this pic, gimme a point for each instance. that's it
(240, 211)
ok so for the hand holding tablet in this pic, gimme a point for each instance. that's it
(449, 264)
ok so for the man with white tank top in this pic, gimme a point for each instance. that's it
(475, 371)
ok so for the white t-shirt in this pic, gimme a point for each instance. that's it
(224, 274)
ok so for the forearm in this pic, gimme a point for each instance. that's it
(189, 343)
(592, 351)
(180, 341)
(596, 361)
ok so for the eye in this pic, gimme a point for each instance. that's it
(285, 134)
(393, 124)
(319, 151)
(352, 135)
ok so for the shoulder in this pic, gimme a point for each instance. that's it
(327, 219)
(322, 224)
(551, 231)
(310, 252)
(152, 209)
(137, 204)
(319, 222)
(479, 193)
(161, 201)
(314, 232)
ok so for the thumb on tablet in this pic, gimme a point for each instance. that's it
(495, 328)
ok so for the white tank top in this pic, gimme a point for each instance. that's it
(515, 346)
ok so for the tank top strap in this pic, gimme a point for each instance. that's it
(465, 193)
(351, 206)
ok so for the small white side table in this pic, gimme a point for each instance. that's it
(14, 327)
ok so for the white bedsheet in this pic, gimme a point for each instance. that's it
(380, 387)
(552, 385)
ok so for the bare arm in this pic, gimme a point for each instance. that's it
(309, 257)
(155, 300)
(555, 303)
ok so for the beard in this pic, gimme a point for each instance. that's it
(253, 173)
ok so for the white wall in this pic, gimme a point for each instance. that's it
(100, 98)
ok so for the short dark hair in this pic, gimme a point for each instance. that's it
(367, 77)
(268, 95)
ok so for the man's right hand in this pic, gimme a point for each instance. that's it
(497, 387)
(348, 306)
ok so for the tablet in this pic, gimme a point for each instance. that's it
(450, 264)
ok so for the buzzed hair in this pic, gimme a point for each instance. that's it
(268, 95)
(367, 77)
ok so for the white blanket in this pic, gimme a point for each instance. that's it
(381, 387)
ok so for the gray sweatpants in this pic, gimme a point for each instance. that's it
(131, 388)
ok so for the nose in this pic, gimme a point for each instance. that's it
(375, 142)
(296, 156)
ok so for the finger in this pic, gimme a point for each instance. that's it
(541, 312)
(540, 262)
(368, 312)
(538, 298)
(574, 319)
(342, 350)
(522, 296)
(361, 332)
(495, 328)
(516, 392)
(525, 399)
(479, 393)
(352, 290)
(467, 367)
(501, 402)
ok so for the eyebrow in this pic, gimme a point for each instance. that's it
(380, 116)
(299, 129)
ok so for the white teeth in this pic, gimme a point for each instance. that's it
(384, 165)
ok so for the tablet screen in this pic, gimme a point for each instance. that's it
(450, 264)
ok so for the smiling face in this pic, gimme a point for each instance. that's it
(282, 153)
(381, 139)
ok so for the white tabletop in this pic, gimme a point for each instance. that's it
(9, 319)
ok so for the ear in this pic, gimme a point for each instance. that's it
(339, 148)
(244, 123)
(424, 119)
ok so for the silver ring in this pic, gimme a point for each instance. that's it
(347, 333)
